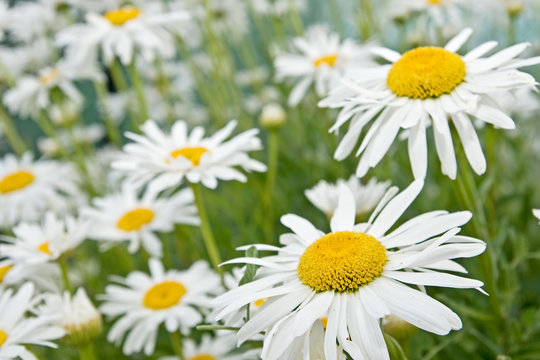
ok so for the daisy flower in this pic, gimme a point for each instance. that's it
(45, 276)
(163, 160)
(28, 188)
(38, 243)
(428, 86)
(144, 302)
(16, 330)
(321, 58)
(354, 276)
(122, 32)
(536, 212)
(126, 216)
(366, 196)
(278, 8)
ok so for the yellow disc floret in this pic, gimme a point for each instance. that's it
(434, 2)
(120, 16)
(135, 219)
(202, 357)
(426, 72)
(3, 271)
(342, 262)
(329, 60)
(16, 181)
(3, 337)
(193, 154)
(164, 295)
(44, 248)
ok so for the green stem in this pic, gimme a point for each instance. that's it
(87, 352)
(110, 126)
(208, 236)
(64, 270)
(139, 92)
(335, 15)
(176, 342)
(48, 128)
(121, 86)
(273, 159)
(367, 23)
(17, 143)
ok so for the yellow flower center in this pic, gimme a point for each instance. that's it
(329, 60)
(202, 357)
(3, 271)
(324, 321)
(135, 219)
(121, 16)
(426, 72)
(49, 77)
(434, 2)
(260, 302)
(3, 337)
(343, 262)
(164, 295)
(193, 154)
(16, 181)
(44, 248)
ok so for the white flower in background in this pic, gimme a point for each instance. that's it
(322, 60)
(29, 58)
(4, 18)
(325, 195)
(37, 243)
(228, 18)
(75, 314)
(32, 94)
(272, 115)
(126, 216)
(354, 276)
(28, 20)
(428, 86)
(163, 160)
(46, 276)
(520, 103)
(278, 8)
(536, 212)
(28, 188)
(17, 330)
(123, 32)
(145, 302)
(85, 135)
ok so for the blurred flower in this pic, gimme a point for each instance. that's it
(228, 18)
(28, 188)
(17, 330)
(323, 60)
(163, 160)
(325, 195)
(28, 20)
(29, 58)
(278, 8)
(82, 135)
(352, 277)
(145, 302)
(428, 85)
(45, 276)
(536, 212)
(125, 216)
(272, 116)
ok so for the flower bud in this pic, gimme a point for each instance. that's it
(272, 116)
(397, 328)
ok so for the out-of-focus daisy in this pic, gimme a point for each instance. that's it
(325, 195)
(33, 93)
(28, 188)
(46, 276)
(536, 212)
(428, 85)
(354, 276)
(126, 216)
(17, 330)
(278, 8)
(75, 314)
(28, 58)
(37, 243)
(123, 32)
(145, 302)
(33, 19)
(163, 160)
(322, 60)
(80, 135)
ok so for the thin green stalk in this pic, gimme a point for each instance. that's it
(273, 159)
(121, 85)
(110, 126)
(176, 342)
(139, 92)
(208, 235)
(17, 143)
(335, 16)
(64, 270)
(296, 21)
(87, 352)
(367, 23)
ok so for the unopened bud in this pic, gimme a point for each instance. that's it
(272, 116)
(397, 328)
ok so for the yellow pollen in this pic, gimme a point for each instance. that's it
(49, 77)
(16, 181)
(164, 295)
(202, 357)
(3, 271)
(44, 248)
(342, 262)
(121, 16)
(434, 2)
(3, 337)
(426, 72)
(324, 321)
(260, 302)
(193, 154)
(329, 60)
(135, 219)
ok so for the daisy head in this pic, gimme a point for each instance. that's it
(164, 160)
(320, 58)
(353, 276)
(17, 330)
(126, 216)
(428, 86)
(28, 188)
(144, 302)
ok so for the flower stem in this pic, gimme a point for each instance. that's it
(17, 143)
(87, 352)
(176, 343)
(273, 159)
(139, 92)
(208, 236)
(64, 270)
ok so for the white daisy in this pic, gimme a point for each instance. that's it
(366, 196)
(322, 60)
(38, 243)
(28, 188)
(16, 330)
(126, 216)
(278, 8)
(33, 19)
(536, 212)
(145, 302)
(122, 33)
(354, 276)
(428, 85)
(164, 160)
(46, 276)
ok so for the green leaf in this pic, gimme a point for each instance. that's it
(251, 269)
